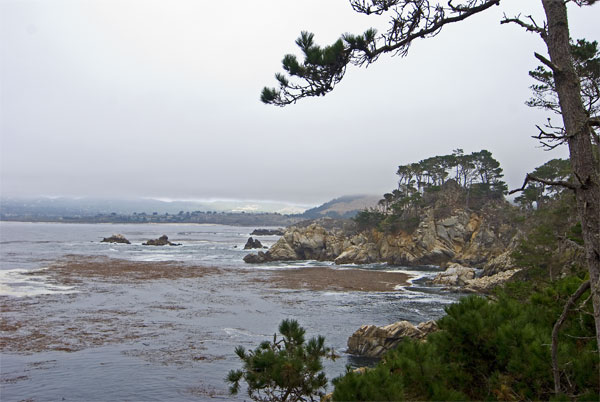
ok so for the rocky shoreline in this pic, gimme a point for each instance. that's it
(475, 248)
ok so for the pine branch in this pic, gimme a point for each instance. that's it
(324, 68)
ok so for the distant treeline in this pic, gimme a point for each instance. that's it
(221, 218)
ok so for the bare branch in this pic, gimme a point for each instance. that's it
(408, 32)
(531, 177)
(533, 27)
(547, 62)
(561, 320)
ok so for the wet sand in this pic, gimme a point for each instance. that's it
(76, 269)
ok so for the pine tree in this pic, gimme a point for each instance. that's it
(286, 369)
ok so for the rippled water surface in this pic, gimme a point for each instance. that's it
(94, 337)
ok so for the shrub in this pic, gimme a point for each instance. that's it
(489, 350)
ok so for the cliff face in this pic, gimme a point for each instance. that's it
(463, 236)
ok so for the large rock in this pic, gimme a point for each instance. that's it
(454, 275)
(116, 238)
(253, 243)
(257, 258)
(161, 241)
(374, 341)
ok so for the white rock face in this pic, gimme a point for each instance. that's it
(487, 283)
(454, 275)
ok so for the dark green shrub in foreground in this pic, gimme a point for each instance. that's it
(489, 350)
(288, 369)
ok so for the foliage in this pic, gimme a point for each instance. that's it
(440, 182)
(552, 242)
(368, 219)
(586, 58)
(488, 350)
(286, 369)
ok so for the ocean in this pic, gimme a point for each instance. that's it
(89, 321)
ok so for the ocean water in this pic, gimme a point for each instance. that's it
(166, 339)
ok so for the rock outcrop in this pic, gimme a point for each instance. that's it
(257, 258)
(161, 241)
(116, 238)
(464, 279)
(374, 341)
(267, 232)
(253, 243)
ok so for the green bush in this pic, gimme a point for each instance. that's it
(288, 369)
(489, 350)
(368, 219)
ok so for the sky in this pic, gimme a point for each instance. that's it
(157, 98)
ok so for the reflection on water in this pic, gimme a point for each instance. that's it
(164, 339)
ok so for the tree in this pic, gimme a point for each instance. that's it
(324, 67)
(554, 170)
(287, 369)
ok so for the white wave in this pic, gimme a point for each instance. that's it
(157, 257)
(237, 332)
(14, 283)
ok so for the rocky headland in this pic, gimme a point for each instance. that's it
(479, 239)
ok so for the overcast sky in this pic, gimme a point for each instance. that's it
(157, 98)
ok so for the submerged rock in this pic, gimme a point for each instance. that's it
(116, 238)
(253, 243)
(161, 241)
(374, 341)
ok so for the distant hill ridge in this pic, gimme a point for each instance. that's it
(342, 207)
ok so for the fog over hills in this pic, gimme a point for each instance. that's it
(52, 206)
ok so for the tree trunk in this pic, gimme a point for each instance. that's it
(576, 123)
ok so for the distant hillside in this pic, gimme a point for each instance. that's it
(342, 207)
